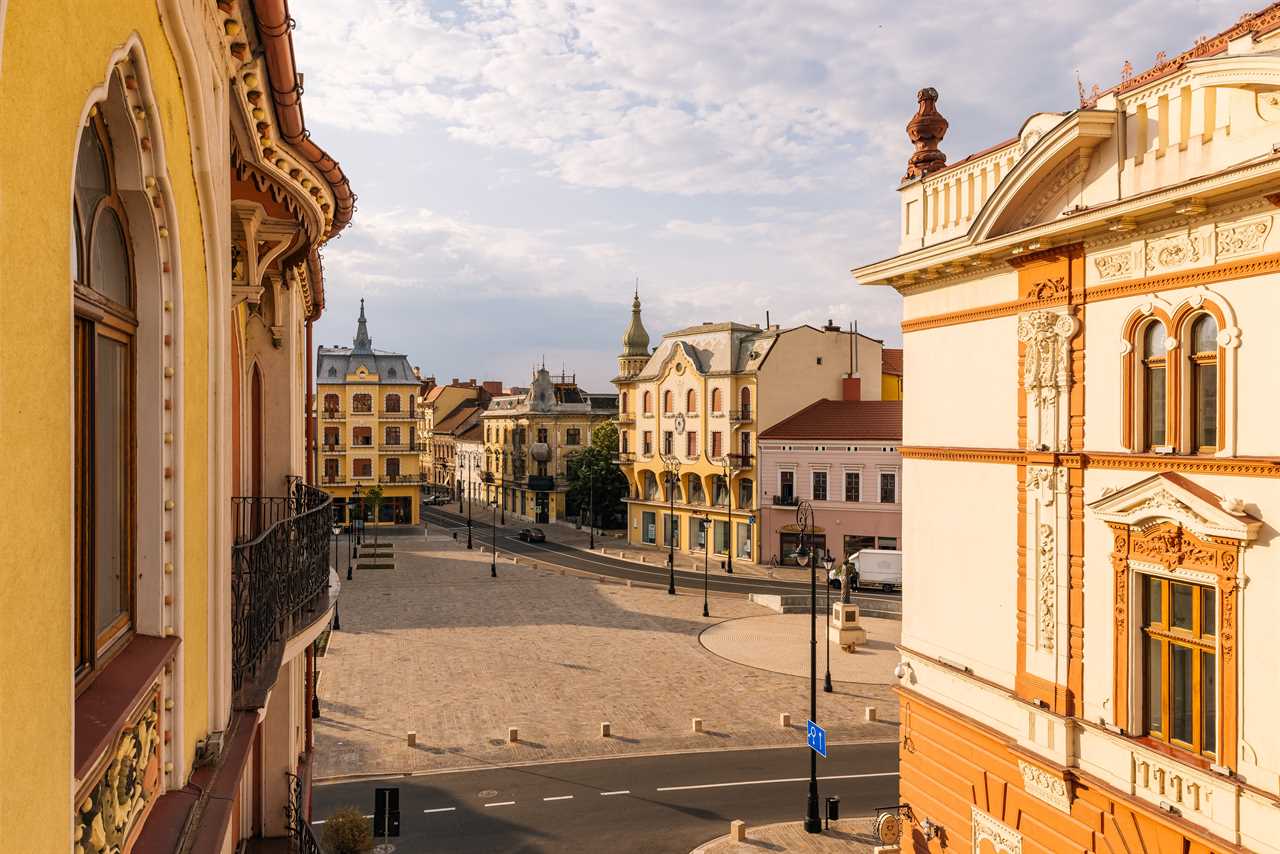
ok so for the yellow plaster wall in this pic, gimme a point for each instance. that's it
(53, 54)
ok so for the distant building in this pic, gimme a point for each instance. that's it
(366, 404)
(468, 461)
(891, 374)
(690, 412)
(1092, 467)
(842, 457)
(453, 403)
(529, 437)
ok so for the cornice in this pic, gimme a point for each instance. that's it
(1229, 466)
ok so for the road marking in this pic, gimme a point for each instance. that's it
(501, 804)
(783, 780)
(442, 809)
(560, 798)
(619, 792)
(321, 821)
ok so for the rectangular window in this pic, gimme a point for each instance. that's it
(852, 486)
(787, 485)
(744, 444)
(890, 543)
(745, 496)
(393, 436)
(648, 527)
(573, 436)
(888, 487)
(691, 443)
(362, 468)
(1179, 627)
(854, 543)
(667, 442)
(742, 541)
(717, 445)
(1204, 380)
(700, 535)
(721, 544)
(647, 446)
(393, 467)
(542, 435)
(819, 492)
(671, 530)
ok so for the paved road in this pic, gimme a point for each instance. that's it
(643, 804)
(576, 558)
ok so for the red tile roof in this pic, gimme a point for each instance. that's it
(841, 420)
(891, 361)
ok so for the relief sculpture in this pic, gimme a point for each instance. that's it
(1046, 376)
(110, 812)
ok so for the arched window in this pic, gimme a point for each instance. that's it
(666, 401)
(648, 403)
(697, 495)
(392, 403)
(623, 408)
(106, 328)
(691, 401)
(361, 403)
(1203, 354)
(717, 400)
(1154, 385)
(331, 404)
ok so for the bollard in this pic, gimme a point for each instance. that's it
(738, 830)
(606, 729)
(871, 713)
(628, 582)
(413, 738)
(697, 724)
(784, 720)
(513, 735)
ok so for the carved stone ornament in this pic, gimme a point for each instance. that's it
(1114, 265)
(1047, 375)
(1002, 838)
(926, 130)
(1044, 786)
(1174, 252)
(1046, 586)
(109, 813)
(1242, 238)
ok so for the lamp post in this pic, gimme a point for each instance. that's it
(502, 483)
(727, 461)
(464, 486)
(337, 535)
(806, 557)
(355, 495)
(827, 561)
(493, 552)
(468, 507)
(671, 473)
(591, 507)
(706, 559)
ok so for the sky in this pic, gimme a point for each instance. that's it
(521, 165)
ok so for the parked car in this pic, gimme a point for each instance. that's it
(532, 535)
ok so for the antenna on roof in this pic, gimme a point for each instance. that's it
(852, 344)
(855, 345)
(766, 319)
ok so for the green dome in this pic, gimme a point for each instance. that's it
(636, 340)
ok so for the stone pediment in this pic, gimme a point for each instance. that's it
(1171, 497)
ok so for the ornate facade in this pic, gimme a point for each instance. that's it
(1090, 668)
(164, 210)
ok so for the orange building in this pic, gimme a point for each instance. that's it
(1091, 472)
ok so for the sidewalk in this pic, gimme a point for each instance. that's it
(848, 836)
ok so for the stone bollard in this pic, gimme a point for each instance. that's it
(606, 729)
(784, 720)
(870, 713)
(643, 559)
(413, 738)
(738, 830)
(628, 582)
(697, 724)
(513, 735)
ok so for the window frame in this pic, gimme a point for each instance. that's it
(1168, 636)
(893, 476)
(99, 317)
(814, 476)
(857, 490)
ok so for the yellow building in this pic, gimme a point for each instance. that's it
(690, 411)
(530, 435)
(891, 374)
(163, 207)
(438, 404)
(366, 404)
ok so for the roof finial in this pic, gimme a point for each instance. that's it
(926, 130)
(363, 344)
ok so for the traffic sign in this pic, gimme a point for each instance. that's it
(817, 737)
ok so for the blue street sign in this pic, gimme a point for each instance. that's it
(817, 737)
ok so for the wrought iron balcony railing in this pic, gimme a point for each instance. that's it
(785, 501)
(333, 479)
(741, 461)
(279, 567)
(333, 448)
(387, 415)
(626, 458)
(740, 415)
(331, 414)
(626, 418)
(403, 478)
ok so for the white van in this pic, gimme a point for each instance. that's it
(881, 567)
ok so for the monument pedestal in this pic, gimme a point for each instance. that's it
(843, 627)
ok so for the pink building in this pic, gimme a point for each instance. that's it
(842, 456)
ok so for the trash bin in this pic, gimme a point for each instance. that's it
(833, 809)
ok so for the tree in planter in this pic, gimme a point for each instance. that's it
(347, 831)
(374, 498)
(593, 473)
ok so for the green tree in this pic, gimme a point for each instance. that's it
(347, 831)
(594, 471)
(374, 499)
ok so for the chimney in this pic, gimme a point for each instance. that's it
(852, 388)
(830, 327)
(453, 381)
(492, 386)
(471, 381)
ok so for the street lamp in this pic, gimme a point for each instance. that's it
(706, 558)
(827, 561)
(591, 506)
(727, 462)
(468, 509)
(502, 483)
(355, 496)
(493, 553)
(337, 535)
(805, 556)
(671, 473)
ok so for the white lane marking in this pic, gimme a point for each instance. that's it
(321, 821)
(501, 804)
(619, 792)
(442, 809)
(783, 780)
(560, 798)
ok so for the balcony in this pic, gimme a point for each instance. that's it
(400, 448)
(360, 410)
(403, 478)
(741, 461)
(279, 582)
(740, 416)
(785, 501)
(333, 448)
(626, 458)
(332, 414)
(626, 418)
(333, 479)
(397, 415)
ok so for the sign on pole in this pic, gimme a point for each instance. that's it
(817, 737)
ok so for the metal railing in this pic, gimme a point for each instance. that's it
(626, 418)
(785, 500)
(403, 478)
(332, 414)
(398, 415)
(626, 458)
(279, 564)
(333, 448)
(300, 832)
(741, 461)
(740, 415)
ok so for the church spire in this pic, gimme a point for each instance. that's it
(362, 341)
